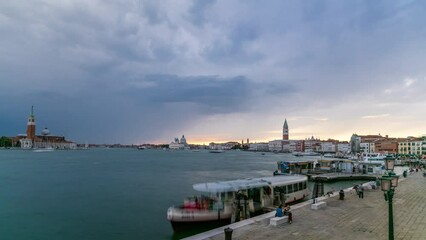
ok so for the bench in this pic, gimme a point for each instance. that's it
(318, 205)
(275, 221)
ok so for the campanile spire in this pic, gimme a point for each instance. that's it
(31, 125)
(285, 130)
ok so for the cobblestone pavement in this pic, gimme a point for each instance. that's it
(352, 218)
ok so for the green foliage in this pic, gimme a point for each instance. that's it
(5, 142)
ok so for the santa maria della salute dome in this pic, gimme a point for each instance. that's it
(179, 144)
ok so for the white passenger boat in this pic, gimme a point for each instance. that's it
(46, 149)
(231, 201)
(304, 154)
(217, 151)
(373, 157)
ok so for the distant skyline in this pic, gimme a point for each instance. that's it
(215, 71)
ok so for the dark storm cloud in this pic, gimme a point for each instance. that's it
(118, 70)
(212, 93)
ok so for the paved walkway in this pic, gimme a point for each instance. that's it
(353, 218)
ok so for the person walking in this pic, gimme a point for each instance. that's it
(361, 192)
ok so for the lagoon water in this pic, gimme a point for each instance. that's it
(111, 193)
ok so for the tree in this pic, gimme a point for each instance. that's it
(5, 142)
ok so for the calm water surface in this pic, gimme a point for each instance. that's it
(111, 193)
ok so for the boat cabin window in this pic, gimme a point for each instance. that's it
(254, 194)
(301, 186)
(281, 189)
(290, 188)
(226, 195)
(295, 187)
(304, 185)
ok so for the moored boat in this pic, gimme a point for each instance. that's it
(295, 167)
(373, 157)
(46, 149)
(217, 151)
(304, 154)
(231, 201)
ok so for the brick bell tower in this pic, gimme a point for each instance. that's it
(31, 126)
(285, 130)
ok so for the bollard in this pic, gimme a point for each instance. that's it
(341, 195)
(228, 233)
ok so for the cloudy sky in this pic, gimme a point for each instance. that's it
(135, 71)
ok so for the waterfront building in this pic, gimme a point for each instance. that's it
(412, 146)
(281, 145)
(367, 147)
(369, 138)
(343, 147)
(275, 145)
(355, 143)
(183, 140)
(179, 144)
(373, 144)
(45, 140)
(296, 146)
(312, 144)
(258, 147)
(387, 145)
(223, 146)
(328, 146)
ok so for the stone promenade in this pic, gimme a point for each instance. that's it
(352, 218)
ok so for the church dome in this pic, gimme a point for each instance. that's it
(45, 132)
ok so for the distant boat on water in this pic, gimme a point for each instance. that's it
(47, 149)
(217, 151)
(302, 154)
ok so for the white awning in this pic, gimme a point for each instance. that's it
(242, 184)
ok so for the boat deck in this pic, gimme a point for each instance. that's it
(344, 176)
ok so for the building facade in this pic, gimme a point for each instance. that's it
(367, 147)
(179, 144)
(412, 146)
(258, 147)
(275, 146)
(45, 140)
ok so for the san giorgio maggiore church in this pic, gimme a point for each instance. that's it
(45, 140)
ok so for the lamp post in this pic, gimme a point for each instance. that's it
(388, 184)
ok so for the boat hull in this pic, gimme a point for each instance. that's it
(186, 219)
(186, 226)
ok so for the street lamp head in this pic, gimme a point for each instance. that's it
(395, 181)
(389, 163)
(385, 183)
